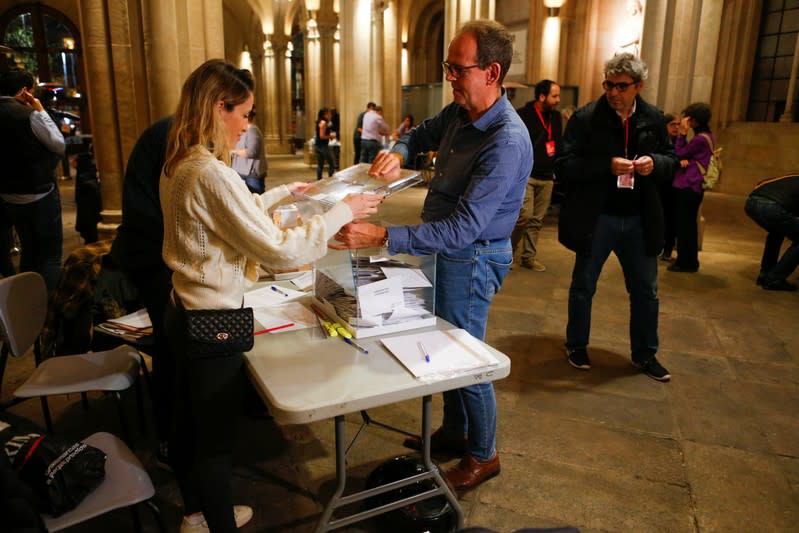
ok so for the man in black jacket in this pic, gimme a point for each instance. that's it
(615, 156)
(544, 123)
(137, 251)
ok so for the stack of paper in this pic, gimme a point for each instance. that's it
(439, 353)
(133, 325)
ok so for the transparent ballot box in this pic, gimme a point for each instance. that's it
(356, 179)
(376, 294)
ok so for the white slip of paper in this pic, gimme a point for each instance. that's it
(451, 352)
(289, 313)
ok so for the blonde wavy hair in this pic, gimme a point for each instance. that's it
(197, 120)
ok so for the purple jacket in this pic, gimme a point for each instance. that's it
(696, 150)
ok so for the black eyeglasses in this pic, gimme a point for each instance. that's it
(456, 71)
(621, 86)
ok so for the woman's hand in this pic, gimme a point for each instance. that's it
(684, 163)
(363, 205)
(298, 187)
(684, 125)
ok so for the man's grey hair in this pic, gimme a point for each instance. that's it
(626, 63)
(494, 43)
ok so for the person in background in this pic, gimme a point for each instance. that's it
(31, 146)
(321, 142)
(774, 205)
(616, 154)
(687, 185)
(484, 160)
(405, 126)
(356, 133)
(543, 122)
(374, 128)
(216, 232)
(249, 159)
(667, 195)
(137, 251)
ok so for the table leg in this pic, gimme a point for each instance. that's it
(341, 476)
(427, 411)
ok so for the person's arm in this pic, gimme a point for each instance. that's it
(323, 133)
(575, 162)
(230, 211)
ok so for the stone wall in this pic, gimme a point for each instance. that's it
(756, 150)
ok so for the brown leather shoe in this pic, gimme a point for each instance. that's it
(469, 472)
(440, 443)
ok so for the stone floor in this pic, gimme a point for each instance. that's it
(716, 449)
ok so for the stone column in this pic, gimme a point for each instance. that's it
(787, 115)
(214, 29)
(273, 130)
(376, 80)
(163, 57)
(392, 70)
(356, 64)
(97, 52)
(313, 77)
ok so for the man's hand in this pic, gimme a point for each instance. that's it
(386, 166)
(620, 166)
(644, 165)
(359, 235)
(25, 97)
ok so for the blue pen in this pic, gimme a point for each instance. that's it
(351, 342)
(279, 291)
(424, 352)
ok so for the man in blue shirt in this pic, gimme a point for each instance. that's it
(484, 159)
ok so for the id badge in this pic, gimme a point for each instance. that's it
(625, 181)
(550, 148)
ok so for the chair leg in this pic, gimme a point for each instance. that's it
(146, 374)
(123, 419)
(136, 521)
(159, 519)
(140, 406)
(48, 422)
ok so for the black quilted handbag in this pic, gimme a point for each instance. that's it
(216, 332)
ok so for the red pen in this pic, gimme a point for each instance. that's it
(270, 330)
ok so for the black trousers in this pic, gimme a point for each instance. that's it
(686, 205)
(207, 400)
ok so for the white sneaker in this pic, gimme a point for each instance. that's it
(242, 513)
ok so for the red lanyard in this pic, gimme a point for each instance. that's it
(625, 122)
(547, 127)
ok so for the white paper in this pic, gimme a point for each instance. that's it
(138, 319)
(269, 297)
(304, 280)
(290, 313)
(380, 297)
(412, 278)
(450, 352)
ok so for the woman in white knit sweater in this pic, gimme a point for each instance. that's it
(215, 234)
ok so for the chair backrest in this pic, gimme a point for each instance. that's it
(23, 308)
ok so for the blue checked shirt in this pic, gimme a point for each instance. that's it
(480, 176)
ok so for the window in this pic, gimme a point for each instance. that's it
(779, 28)
(47, 44)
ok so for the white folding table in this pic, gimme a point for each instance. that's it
(306, 378)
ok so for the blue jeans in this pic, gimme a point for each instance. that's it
(369, 150)
(466, 281)
(40, 232)
(624, 236)
(780, 224)
(323, 154)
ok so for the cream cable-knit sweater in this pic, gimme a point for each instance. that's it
(216, 232)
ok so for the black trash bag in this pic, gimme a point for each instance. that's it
(434, 515)
(61, 474)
